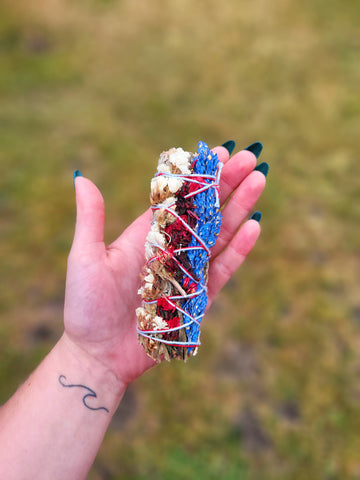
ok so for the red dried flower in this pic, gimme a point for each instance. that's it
(173, 322)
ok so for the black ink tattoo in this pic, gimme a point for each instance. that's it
(91, 393)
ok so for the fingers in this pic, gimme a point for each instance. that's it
(238, 208)
(222, 153)
(90, 213)
(240, 187)
(235, 168)
(226, 264)
(234, 172)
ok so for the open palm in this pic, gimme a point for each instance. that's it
(102, 281)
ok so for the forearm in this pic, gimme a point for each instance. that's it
(54, 424)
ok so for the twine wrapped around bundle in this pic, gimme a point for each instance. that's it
(185, 200)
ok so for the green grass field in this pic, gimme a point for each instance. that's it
(104, 87)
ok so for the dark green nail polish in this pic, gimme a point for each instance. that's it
(77, 173)
(263, 168)
(256, 216)
(255, 148)
(229, 145)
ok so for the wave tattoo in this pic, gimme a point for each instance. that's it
(91, 393)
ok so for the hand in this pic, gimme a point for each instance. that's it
(102, 281)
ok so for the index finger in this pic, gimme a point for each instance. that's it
(222, 153)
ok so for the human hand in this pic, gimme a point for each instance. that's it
(102, 281)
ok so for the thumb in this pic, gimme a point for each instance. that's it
(90, 212)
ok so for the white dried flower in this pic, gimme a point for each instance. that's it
(140, 311)
(174, 184)
(164, 157)
(149, 251)
(154, 228)
(156, 238)
(163, 168)
(149, 278)
(159, 183)
(159, 323)
(149, 281)
(168, 202)
(181, 160)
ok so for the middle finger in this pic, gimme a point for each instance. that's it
(238, 208)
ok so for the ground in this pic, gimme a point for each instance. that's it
(104, 87)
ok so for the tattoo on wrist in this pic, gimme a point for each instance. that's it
(91, 393)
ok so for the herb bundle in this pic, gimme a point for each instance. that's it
(186, 222)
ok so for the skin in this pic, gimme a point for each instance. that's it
(50, 431)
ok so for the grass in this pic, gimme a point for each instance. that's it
(104, 87)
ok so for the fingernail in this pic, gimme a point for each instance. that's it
(263, 168)
(77, 173)
(229, 145)
(255, 148)
(256, 216)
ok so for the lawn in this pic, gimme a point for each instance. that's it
(104, 87)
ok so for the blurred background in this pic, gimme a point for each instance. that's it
(104, 87)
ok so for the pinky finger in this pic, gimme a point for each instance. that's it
(226, 264)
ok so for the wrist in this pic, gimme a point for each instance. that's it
(79, 366)
(54, 424)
